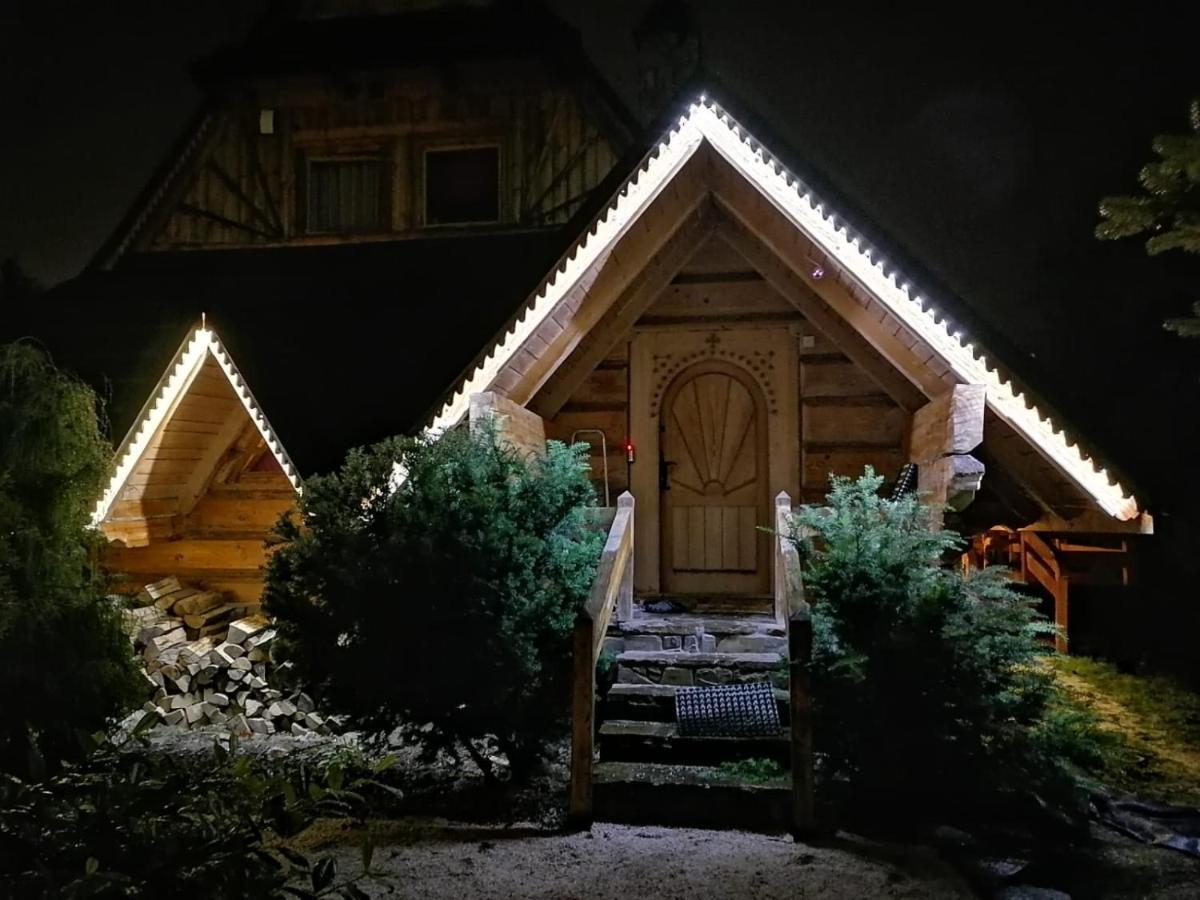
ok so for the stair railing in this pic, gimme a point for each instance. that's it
(793, 612)
(612, 591)
(1040, 563)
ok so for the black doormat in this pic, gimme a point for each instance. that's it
(727, 710)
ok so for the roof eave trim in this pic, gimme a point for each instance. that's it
(635, 195)
(705, 121)
(967, 361)
(171, 388)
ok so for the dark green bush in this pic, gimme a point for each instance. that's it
(66, 666)
(448, 599)
(929, 687)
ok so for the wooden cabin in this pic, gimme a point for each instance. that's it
(734, 343)
(379, 235)
(200, 481)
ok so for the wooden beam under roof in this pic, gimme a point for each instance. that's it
(620, 317)
(819, 314)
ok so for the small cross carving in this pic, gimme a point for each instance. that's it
(712, 340)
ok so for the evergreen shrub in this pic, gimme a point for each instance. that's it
(66, 665)
(444, 598)
(930, 689)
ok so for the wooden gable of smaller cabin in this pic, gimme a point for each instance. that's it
(200, 481)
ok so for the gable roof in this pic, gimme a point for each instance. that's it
(284, 44)
(201, 353)
(915, 337)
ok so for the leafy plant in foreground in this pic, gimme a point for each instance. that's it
(66, 666)
(929, 687)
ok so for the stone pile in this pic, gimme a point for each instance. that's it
(208, 670)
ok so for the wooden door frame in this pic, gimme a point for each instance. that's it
(762, 501)
(768, 352)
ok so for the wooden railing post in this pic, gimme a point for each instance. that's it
(794, 613)
(783, 528)
(625, 597)
(800, 637)
(582, 720)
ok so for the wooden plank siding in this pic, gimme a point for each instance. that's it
(246, 188)
(847, 420)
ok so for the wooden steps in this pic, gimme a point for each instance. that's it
(705, 796)
(624, 739)
(648, 772)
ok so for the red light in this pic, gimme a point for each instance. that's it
(629, 452)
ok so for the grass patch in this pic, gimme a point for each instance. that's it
(1154, 724)
(753, 771)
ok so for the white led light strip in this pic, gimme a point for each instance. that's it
(202, 344)
(704, 122)
(673, 151)
(899, 299)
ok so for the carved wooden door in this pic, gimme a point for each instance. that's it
(714, 480)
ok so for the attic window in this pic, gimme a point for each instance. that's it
(462, 185)
(344, 195)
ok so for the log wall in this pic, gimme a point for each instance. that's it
(246, 187)
(846, 419)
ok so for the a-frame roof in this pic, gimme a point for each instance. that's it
(195, 412)
(707, 167)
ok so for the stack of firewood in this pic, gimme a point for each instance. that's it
(209, 663)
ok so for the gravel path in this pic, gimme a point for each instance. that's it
(618, 862)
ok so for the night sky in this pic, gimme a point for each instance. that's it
(979, 137)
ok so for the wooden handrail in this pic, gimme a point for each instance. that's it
(612, 589)
(794, 613)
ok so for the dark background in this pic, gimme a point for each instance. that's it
(978, 137)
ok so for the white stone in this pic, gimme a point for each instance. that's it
(261, 726)
(238, 725)
(304, 703)
(252, 707)
(242, 664)
(194, 713)
(174, 717)
(299, 730)
(218, 699)
(233, 651)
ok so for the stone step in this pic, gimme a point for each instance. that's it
(696, 642)
(658, 794)
(683, 668)
(639, 741)
(685, 623)
(656, 702)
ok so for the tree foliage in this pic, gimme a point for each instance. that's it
(446, 599)
(66, 666)
(1167, 209)
(927, 684)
